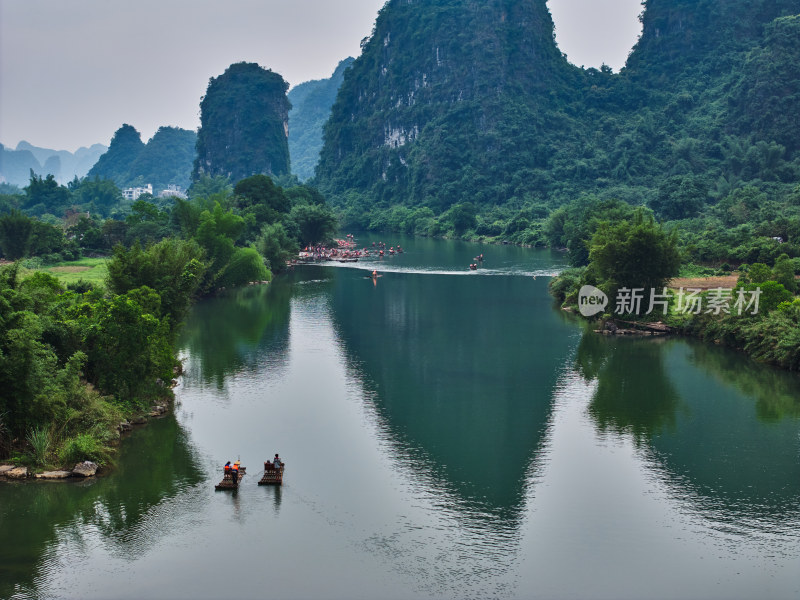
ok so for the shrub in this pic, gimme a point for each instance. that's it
(83, 447)
(40, 441)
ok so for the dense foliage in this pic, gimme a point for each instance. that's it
(626, 252)
(115, 164)
(244, 124)
(72, 365)
(75, 362)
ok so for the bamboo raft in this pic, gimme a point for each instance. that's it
(227, 481)
(272, 476)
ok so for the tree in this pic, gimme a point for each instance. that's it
(260, 190)
(128, 345)
(173, 268)
(572, 226)
(276, 246)
(244, 266)
(784, 273)
(462, 217)
(259, 202)
(15, 235)
(146, 223)
(216, 234)
(680, 198)
(98, 195)
(315, 223)
(206, 185)
(634, 254)
(756, 273)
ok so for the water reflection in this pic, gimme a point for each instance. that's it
(776, 391)
(467, 410)
(236, 330)
(634, 392)
(131, 508)
(699, 426)
(275, 492)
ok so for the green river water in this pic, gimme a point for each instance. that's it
(447, 434)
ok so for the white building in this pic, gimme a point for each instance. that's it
(134, 193)
(172, 190)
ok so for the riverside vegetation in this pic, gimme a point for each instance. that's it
(77, 359)
(616, 247)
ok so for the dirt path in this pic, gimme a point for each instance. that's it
(727, 282)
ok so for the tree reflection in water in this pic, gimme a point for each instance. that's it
(724, 437)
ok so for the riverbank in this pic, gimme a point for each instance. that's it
(760, 320)
(82, 365)
(23, 466)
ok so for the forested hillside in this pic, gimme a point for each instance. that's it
(165, 159)
(311, 106)
(463, 112)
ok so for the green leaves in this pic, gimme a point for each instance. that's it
(173, 268)
(316, 223)
(634, 254)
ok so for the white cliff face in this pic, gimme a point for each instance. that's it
(394, 137)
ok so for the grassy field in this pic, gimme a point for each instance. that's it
(93, 270)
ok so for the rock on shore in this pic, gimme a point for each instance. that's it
(54, 475)
(85, 469)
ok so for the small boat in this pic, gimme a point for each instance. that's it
(227, 481)
(272, 476)
(348, 260)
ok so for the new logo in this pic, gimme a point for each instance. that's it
(591, 300)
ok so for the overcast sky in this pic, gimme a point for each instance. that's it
(73, 71)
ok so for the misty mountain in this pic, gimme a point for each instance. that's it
(15, 165)
(311, 107)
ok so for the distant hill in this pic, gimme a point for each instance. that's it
(165, 159)
(15, 165)
(311, 107)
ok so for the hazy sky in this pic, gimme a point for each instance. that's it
(73, 71)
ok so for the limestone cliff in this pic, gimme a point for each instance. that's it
(244, 124)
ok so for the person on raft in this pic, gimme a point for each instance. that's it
(277, 463)
(235, 473)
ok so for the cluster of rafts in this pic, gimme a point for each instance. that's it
(233, 474)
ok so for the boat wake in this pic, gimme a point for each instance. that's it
(383, 268)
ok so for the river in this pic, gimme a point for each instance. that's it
(447, 434)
